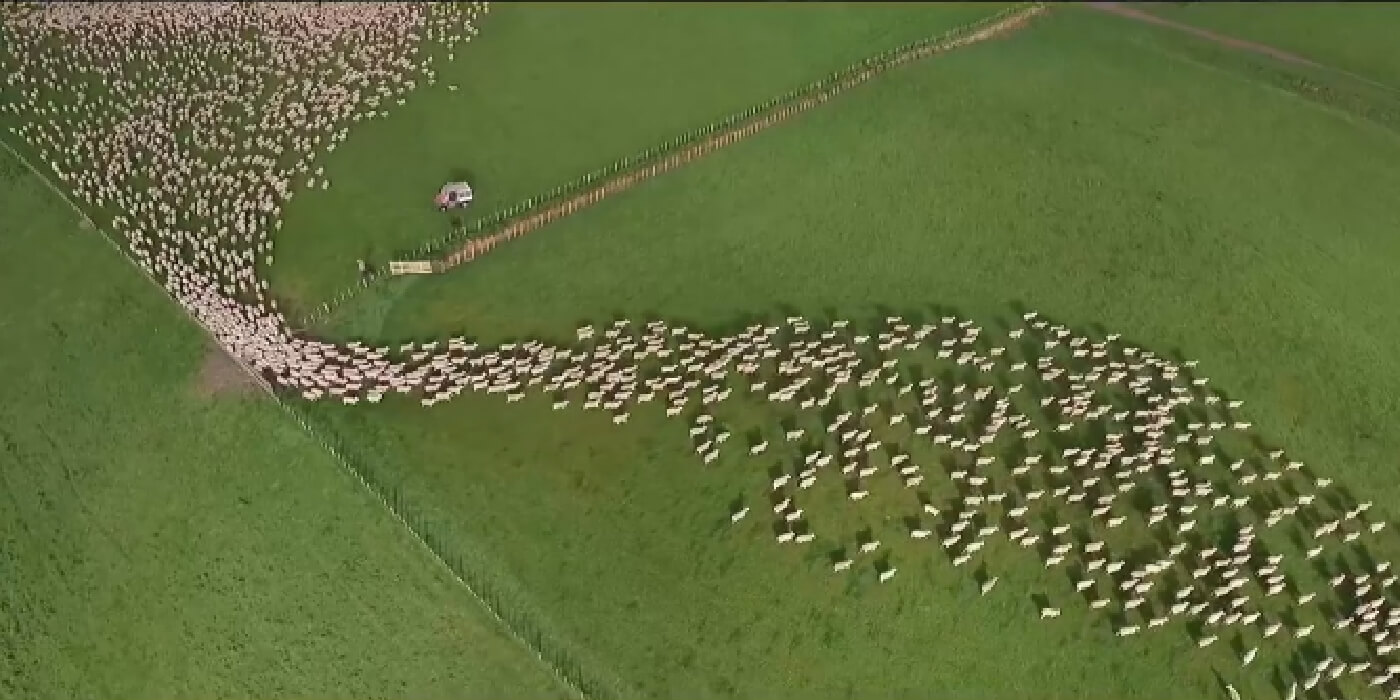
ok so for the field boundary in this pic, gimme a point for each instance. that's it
(773, 112)
(1343, 93)
(661, 158)
(564, 669)
(1121, 10)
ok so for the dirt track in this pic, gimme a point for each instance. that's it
(1254, 47)
(483, 244)
(1238, 44)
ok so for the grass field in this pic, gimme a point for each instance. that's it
(1355, 37)
(549, 92)
(1100, 171)
(1107, 173)
(157, 542)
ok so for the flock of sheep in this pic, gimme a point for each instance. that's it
(190, 126)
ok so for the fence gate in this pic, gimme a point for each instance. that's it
(410, 267)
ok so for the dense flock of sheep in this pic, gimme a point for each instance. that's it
(186, 128)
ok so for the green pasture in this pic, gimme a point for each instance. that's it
(1357, 37)
(1107, 173)
(550, 92)
(160, 542)
(157, 542)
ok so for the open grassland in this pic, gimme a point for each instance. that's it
(1357, 37)
(1098, 170)
(550, 92)
(160, 542)
(1351, 96)
(1101, 171)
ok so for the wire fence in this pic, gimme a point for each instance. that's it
(885, 59)
(463, 563)
(574, 195)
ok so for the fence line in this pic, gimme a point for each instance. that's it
(565, 670)
(792, 103)
(696, 135)
(666, 151)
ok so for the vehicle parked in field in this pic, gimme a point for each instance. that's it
(454, 195)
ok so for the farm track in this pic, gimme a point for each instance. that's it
(1121, 10)
(479, 246)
